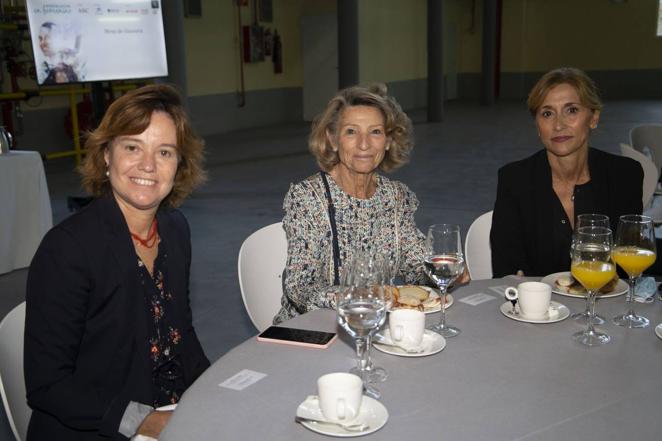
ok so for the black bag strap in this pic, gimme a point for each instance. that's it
(334, 230)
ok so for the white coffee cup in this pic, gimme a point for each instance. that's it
(340, 396)
(533, 297)
(406, 327)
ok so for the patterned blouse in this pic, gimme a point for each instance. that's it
(383, 223)
(164, 338)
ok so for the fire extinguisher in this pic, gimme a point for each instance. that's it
(277, 56)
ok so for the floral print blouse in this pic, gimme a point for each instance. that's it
(383, 223)
(164, 337)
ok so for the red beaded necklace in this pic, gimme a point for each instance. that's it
(151, 239)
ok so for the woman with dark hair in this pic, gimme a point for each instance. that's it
(539, 198)
(108, 333)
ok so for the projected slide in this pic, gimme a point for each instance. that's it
(97, 40)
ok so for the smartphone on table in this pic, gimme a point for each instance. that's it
(297, 337)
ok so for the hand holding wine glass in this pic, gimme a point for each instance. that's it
(443, 264)
(634, 251)
(593, 267)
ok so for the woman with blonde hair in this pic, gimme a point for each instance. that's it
(349, 207)
(108, 333)
(539, 198)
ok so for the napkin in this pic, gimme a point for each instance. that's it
(645, 289)
(143, 438)
(386, 339)
(553, 311)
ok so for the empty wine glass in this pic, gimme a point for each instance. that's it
(592, 220)
(593, 267)
(444, 263)
(377, 277)
(362, 311)
(634, 251)
(589, 220)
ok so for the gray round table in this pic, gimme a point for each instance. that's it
(498, 380)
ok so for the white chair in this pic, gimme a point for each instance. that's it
(648, 136)
(262, 259)
(477, 249)
(651, 173)
(12, 382)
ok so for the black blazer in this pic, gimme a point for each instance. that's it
(524, 218)
(86, 342)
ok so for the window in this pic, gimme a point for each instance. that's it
(659, 19)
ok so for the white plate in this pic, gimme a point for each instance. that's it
(434, 293)
(432, 343)
(621, 287)
(564, 312)
(372, 412)
(658, 330)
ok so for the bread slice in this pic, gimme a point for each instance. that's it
(409, 301)
(408, 297)
(565, 280)
(414, 292)
(576, 288)
(433, 302)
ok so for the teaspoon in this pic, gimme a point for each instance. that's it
(356, 427)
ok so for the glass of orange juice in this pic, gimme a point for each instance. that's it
(593, 267)
(589, 220)
(634, 251)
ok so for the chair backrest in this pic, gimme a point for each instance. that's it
(477, 249)
(651, 173)
(12, 382)
(650, 136)
(262, 259)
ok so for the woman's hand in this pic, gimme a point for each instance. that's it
(462, 280)
(154, 423)
(465, 277)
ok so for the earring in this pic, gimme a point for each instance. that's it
(107, 173)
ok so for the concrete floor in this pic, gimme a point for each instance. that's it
(453, 172)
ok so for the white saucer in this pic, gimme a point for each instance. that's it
(434, 293)
(658, 330)
(564, 312)
(620, 289)
(373, 413)
(432, 343)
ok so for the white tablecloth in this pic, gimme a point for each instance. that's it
(25, 208)
(499, 380)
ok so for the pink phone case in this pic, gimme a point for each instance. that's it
(298, 343)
